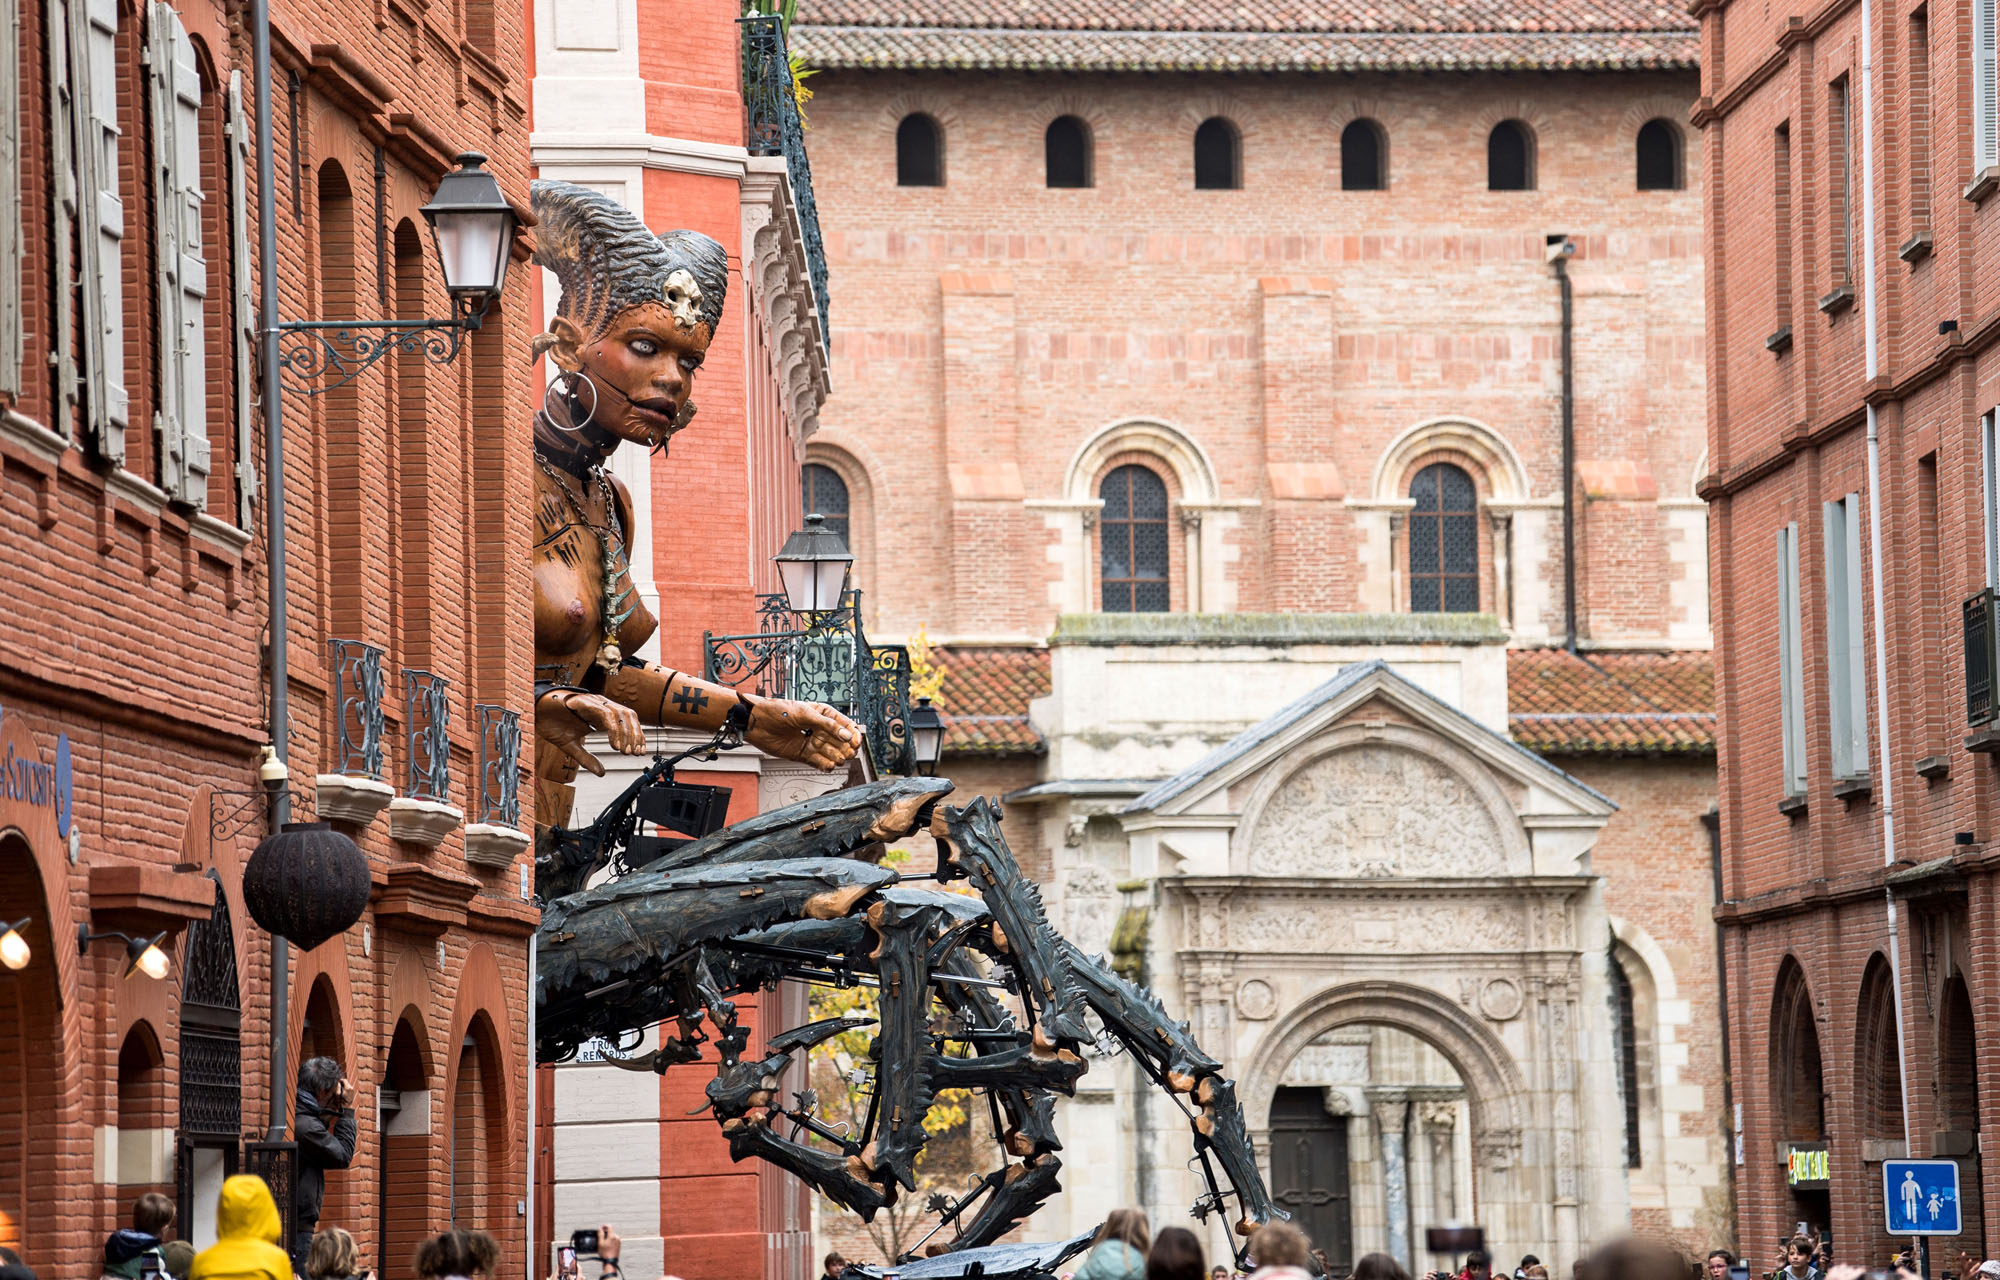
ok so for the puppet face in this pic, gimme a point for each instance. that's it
(642, 368)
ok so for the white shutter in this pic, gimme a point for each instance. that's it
(95, 52)
(182, 417)
(1985, 87)
(1857, 651)
(244, 321)
(1791, 673)
(10, 208)
(62, 214)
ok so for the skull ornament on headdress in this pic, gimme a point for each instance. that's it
(608, 262)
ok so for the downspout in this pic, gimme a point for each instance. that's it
(1884, 775)
(1559, 256)
(274, 535)
(1713, 821)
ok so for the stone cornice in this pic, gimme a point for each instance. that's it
(643, 151)
(775, 267)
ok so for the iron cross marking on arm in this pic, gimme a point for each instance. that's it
(689, 701)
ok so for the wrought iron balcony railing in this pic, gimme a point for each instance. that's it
(357, 704)
(773, 128)
(499, 765)
(427, 735)
(830, 661)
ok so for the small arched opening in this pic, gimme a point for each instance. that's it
(1957, 1115)
(1133, 547)
(403, 1199)
(1510, 157)
(1364, 157)
(1798, 1086)
(1658, 156)
(1066, 149)
(919, 151)
(1444, 540)
(1878, 1083)
(478, 1129)
(145, 1138)
(1218, 155)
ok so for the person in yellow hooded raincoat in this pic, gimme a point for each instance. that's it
(247, 1234)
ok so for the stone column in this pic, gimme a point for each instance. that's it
(1391, 1109)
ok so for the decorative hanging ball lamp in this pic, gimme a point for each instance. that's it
(307, 883)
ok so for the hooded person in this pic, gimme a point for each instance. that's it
(247, 1233)
(127, 1249)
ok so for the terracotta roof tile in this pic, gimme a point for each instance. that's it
(1612, 703)
(986, 696)
(1227, 35)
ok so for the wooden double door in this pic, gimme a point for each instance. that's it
(1309, 1173)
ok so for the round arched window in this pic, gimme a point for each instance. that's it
(1444, 541)
(826, 495)
(1132, 542)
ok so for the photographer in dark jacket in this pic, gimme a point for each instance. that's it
(323, 1128)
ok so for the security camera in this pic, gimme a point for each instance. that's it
(271, 771)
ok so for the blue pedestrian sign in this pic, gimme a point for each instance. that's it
(1921, 1197)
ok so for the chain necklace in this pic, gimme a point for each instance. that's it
(616, 568)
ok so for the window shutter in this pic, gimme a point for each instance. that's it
(104, 229)
(1985, 90)
(244, 321)
(62, 213)
(10, 208)
(182, 418)
(1857, 651)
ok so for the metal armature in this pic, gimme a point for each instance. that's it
(974, 992)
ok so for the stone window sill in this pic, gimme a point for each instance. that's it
(1984, 184)
(1792, 806)
(1916, 248)
(1933, 767)
(1839, 300)
(1780, 342)
(1853, 788)
(1986, 740)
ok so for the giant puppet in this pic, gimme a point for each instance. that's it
(974, 992)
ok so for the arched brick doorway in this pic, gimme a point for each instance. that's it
(1957, 1118)
(1798, 1087)
(1878, 1089)
(405, 1199)
(34, 1063)
(144, 1136)
(322, 1036)
(479, 1145)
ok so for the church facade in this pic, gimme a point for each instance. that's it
(1289, 438)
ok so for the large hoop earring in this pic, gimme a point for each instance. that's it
(568, 395)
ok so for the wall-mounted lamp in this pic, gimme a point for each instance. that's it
(926, 728)
(472, 228)
(142, 954)
(14, 951)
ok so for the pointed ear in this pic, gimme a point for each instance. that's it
(563, 343)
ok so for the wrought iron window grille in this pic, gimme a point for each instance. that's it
(427, 735)
(357, 702)
(499, 765)
(772, 127)
(823, 657)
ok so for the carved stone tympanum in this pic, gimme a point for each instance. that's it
(1372, 811)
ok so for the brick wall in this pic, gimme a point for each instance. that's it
(1807, 926)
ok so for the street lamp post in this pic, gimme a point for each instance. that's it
(926, 728)
(813, 565)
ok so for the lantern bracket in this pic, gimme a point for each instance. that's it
(231, 813)
(343, 350)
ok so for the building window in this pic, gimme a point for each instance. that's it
(826, 495)
(1791, 672)
(1218, 156)
(1628, 1059)
(1845, 662)
(919, 152)
(1510, 157)
(1066, 150)
(1132, 556)
(1364, 157)
(1840, 178)
(1659, 156)
(1985, 88)
(1444, 541)
(1989, 492)
(1919, 62)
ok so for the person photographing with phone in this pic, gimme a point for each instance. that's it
(323, 1128)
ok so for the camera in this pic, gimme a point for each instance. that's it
(566, 1262)
(584, 1242)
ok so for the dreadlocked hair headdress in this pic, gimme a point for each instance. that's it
(607, 261)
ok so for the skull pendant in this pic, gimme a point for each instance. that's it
(683, 299)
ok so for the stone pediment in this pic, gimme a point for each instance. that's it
(1369, 777)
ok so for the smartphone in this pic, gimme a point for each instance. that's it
(566, 1262)
(584, 1242)
(149, 1267)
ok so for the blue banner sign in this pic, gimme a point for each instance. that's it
(31, 782)
(1921, 1197)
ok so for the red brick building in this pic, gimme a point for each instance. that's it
(1187, 350)
(674, 139)
(1851, 173)
(132, 670)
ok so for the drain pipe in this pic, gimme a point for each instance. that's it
(1560, 249)
(1885, 777)
(274, 536)
(1713, 821)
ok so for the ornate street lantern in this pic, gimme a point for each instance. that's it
(813, 566)
(926, 729)
(473, 227)
(307, 883)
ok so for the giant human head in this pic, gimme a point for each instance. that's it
(636, 315)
